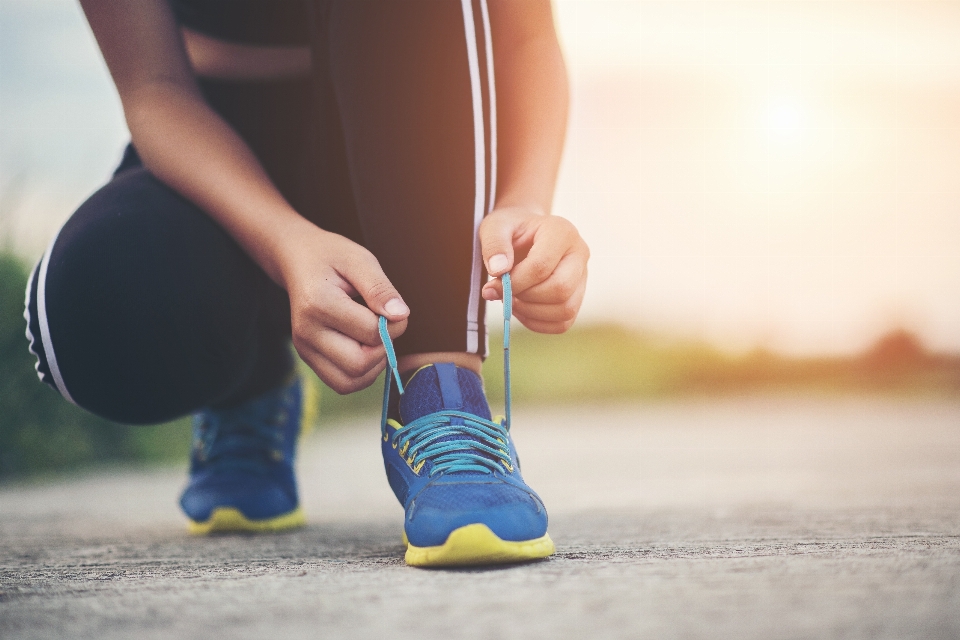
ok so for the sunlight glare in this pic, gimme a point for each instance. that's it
(784, 120)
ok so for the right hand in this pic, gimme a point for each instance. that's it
(335, 335)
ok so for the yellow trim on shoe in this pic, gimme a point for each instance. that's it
(476, 544)
(225, 519)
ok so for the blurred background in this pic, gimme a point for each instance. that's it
(771, 193)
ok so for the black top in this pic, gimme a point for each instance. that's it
(257, 22)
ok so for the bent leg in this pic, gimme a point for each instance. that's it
(143, 309)
(413, 89)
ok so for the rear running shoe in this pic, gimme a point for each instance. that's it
(241, 465)
(456, 471)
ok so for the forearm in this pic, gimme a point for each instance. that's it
(532, 106)
(190, 148)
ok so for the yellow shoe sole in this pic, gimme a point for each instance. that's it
(228, 519)
(476, 544)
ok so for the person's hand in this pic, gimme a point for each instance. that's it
(547, 261)
(335, 335)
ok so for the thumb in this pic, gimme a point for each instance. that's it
(496, 242)
(375, 288)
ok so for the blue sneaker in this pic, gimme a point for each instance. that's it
(241, 466)
(456, 472)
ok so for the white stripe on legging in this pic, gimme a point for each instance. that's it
(31, 340)
(479, 155)
(45, 325)
(492, 98)
(492, 95)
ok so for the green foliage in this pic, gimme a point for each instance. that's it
(39, 431)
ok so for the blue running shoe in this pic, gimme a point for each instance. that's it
(241, 466)
(455, 470)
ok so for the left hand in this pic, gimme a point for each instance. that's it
(547, 261)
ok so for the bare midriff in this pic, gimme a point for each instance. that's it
(213, 58)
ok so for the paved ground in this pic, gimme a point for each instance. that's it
(749, 518)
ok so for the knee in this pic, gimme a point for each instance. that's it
(140, 300)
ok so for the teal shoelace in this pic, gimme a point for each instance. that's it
(453, 440)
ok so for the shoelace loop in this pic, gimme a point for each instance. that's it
(453, 440)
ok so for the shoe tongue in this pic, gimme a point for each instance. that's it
(443, 386)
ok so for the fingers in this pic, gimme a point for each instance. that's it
(335, 334)
(551, 317)
(335, 377)
(351, 356)
(560, 306)
(549, 282)
(554, 239)
(496, 241)
(341, 362)
(547, 327)
(369, 280)
(560, 286)
(563, 311)
(354, 320)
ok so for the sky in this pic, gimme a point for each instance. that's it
(782, 175)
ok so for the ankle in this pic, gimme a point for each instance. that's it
(414, 361)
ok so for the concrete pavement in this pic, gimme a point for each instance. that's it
(740, 518)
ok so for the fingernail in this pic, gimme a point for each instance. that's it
(498, 263)
(395, 307)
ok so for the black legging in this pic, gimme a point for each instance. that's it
(143, 309)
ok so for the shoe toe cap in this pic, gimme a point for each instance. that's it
(512, 513)
(257, 498)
